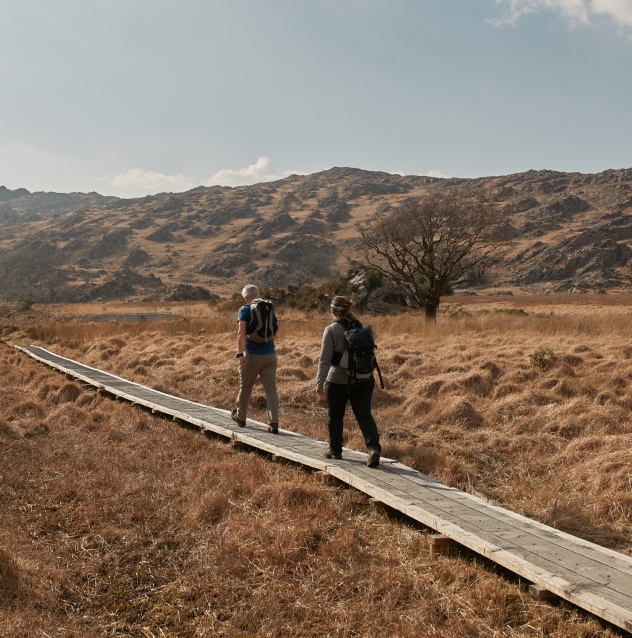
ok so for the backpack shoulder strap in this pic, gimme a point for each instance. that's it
(349, 324)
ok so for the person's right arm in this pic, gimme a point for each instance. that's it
(241, 342)
(324, 361)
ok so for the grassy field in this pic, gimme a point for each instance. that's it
(117, 523)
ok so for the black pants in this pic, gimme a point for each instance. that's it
(359, 394)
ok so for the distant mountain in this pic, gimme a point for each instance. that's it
(565, 231)
(6, 194)
(22, 204)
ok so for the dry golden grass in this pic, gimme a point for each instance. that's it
(117, 523)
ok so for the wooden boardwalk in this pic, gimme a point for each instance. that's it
(594, 578)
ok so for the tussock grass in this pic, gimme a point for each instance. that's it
(115, 520)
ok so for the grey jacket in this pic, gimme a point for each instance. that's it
(333, 341)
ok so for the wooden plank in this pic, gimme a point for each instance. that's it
(619, 581)
(439, 544)
(497, 516)
(563, 588)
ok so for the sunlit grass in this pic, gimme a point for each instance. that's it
(114, 520)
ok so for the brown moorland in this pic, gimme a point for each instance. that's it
(118, 523)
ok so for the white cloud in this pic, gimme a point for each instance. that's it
(573, 11)
(142, 182)
(434, 173)
(261, 171)
(619, 10)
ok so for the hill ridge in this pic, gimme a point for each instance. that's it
(566, 231)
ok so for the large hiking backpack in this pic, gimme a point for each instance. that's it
(263, 324)
(359, 355)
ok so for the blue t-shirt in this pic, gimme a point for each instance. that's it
(254, 347)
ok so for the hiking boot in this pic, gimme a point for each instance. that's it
(273, 428)
(239, 422)
(373, 459)
(328, 454)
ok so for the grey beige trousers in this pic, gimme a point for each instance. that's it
(263, 366)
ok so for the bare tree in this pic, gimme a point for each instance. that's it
(430, 244)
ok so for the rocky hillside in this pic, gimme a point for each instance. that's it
(565, 231)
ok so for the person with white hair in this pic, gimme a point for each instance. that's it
(257, 359)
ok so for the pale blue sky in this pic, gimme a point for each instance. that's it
(134, 97)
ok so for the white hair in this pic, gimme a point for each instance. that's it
(250, 291)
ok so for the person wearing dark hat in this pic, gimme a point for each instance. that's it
(333, 383)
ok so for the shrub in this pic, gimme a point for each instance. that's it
(24, 303)
(543, 358)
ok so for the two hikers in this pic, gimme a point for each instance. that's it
(336, 380)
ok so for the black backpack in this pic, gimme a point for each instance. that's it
(359, 355)
(263, 324)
